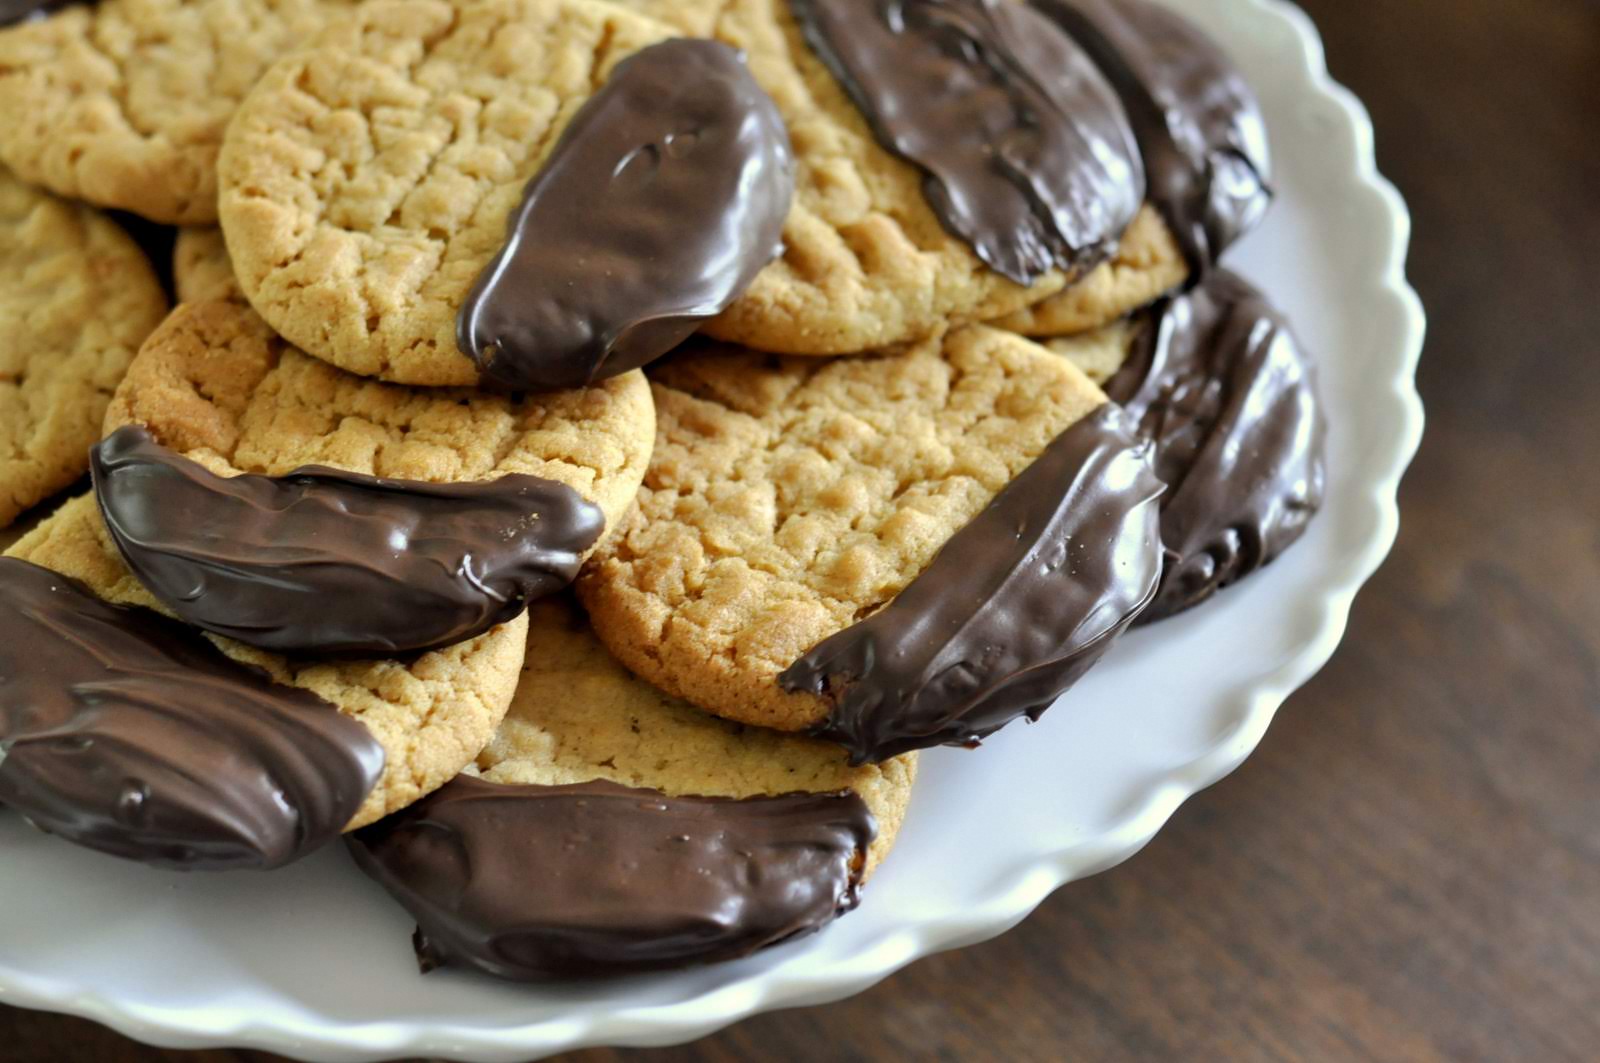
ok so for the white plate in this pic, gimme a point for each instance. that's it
(315, 962)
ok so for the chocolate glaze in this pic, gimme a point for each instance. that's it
(659, 205)
(336, 563)
(1011, 612)
(15, 11)
(1199, 126)
(1218, 380)
(129, 733)
(1027, 151)
(540, 882)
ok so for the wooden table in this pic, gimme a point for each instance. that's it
(1409, 869)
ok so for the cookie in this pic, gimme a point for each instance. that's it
(1148, 264)
(268, 497)
(368, 180)
(1204, 145)
(882, 248)
(584, 732)
(1217, 378)
(77, 297)
(127, 732)
(201, 268)
(792, 501)
(430, 715)
(216, 385)
(123, 103)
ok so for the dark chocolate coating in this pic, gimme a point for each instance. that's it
(596, 879)
(15, 11)
(1028, 154)
(1199, 125)
(1218, 380)
(659, 205)
(336, 563)
(129, 733)
(1011, 612)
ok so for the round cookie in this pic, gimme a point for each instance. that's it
(123, 103)
(201, 268)
(579, 715)
(790, 499)
(215, 384)
(1148, 264)
(77, 297)
(431, 715)
(368, 179)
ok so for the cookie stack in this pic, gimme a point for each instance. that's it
(599, 444)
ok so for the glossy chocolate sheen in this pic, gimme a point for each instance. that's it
(335, 563)
(15, 11)
(659, 205)
(129, 733)
(1218, 380)
(1028, 154)
(1011, 612)
(1199, 125)
(595, 879)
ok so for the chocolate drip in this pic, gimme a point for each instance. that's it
(1027, 151)
(15, 11)
(540, 882)
(1011, 612)
(662, 201)
(335, 563)
(1217, 379)
(129, 733)
(1199, 126)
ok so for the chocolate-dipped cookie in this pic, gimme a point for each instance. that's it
(1204, 145)
(563, 194)
(897, 551)
(129, 733)
(609, 828)
(427, 717)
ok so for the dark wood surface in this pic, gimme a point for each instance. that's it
(1409, 868)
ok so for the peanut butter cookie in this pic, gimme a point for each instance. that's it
(123, 103)
(790, 499)
(580, 715)
(77, 297)
(431, 715)
(368, 180)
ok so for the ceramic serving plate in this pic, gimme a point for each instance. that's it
(315, 962)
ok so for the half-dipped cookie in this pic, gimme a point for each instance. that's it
(609, 828)
(895, 551)
(132, 733)
(272, 499)
(1204, 145)
(559, 192)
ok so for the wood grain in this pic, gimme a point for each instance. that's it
(1409, 869)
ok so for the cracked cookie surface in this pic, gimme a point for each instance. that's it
(368, 179)
(123, 103)
(580, 715)
(77, 297)
(790, 497)
(431, 714)
(217, 385)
